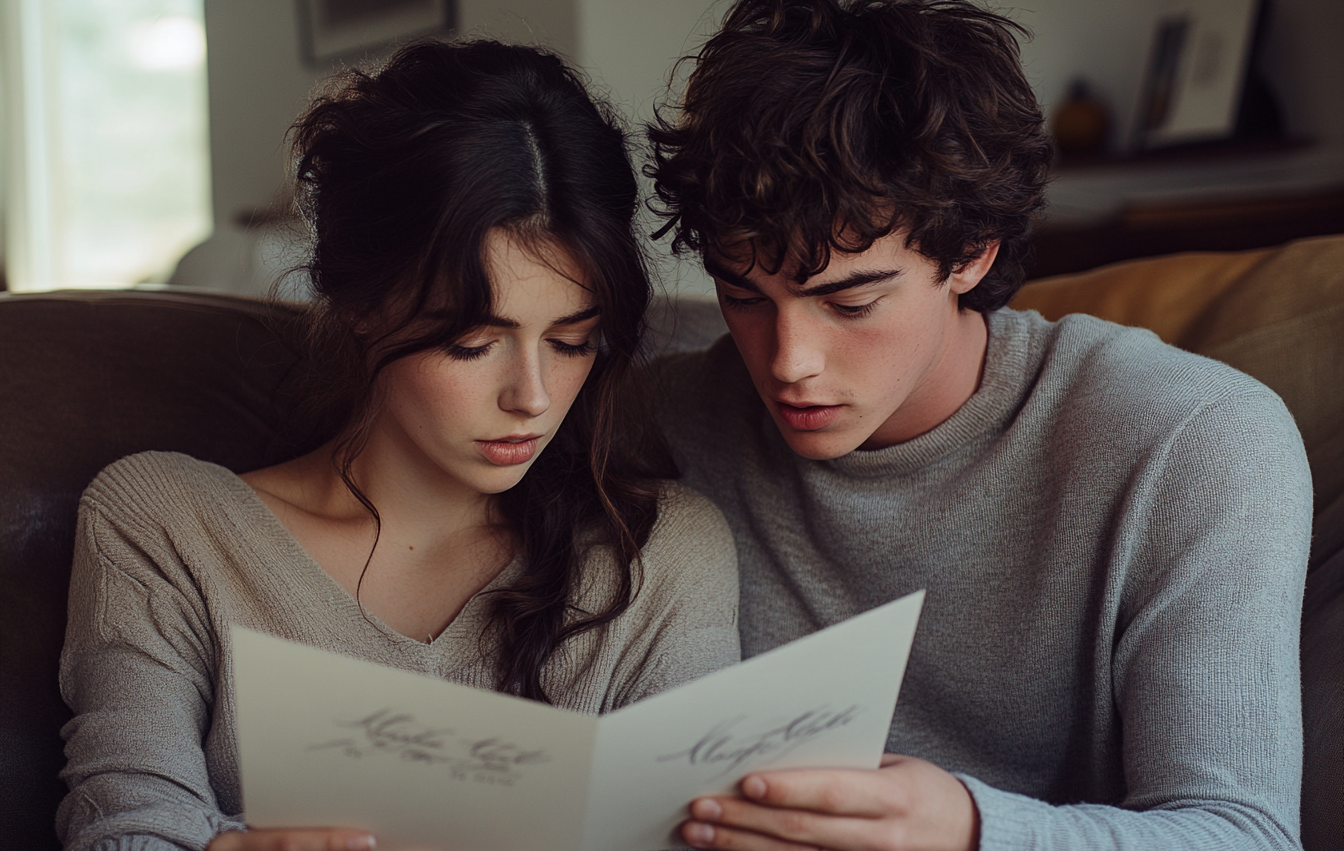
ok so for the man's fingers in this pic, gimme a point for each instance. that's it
(293, 840)
(907, 801)
(698, 834)
(741, 824)
(861, 794)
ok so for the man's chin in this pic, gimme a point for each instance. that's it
(820, 445)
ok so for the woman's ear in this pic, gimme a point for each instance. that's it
(964, 279)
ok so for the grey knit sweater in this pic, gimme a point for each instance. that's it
(171, 551)
(1113, 534)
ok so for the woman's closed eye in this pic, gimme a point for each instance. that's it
(572, 349)
(467, 352)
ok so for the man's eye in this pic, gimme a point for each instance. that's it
(855, 311)
(740, 303)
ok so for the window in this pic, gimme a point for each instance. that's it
(107, 150)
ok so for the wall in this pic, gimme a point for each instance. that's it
(629, 47)
(1066, 44)
(259, 83)
(1305, 65)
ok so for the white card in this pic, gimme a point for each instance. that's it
(326, 740)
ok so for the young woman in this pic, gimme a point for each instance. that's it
(485, 508)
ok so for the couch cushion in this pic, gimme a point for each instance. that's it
(86, 378)
(1163, 294)
(684, 324)
(1323, 693)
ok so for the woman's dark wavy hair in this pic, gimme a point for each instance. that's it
(808, 127)
(401, 173)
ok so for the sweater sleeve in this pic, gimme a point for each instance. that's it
(1204, 669)
(137, 671)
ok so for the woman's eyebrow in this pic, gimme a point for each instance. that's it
(493, 321)
(579, 316)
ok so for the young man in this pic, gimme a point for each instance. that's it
(1113, 533)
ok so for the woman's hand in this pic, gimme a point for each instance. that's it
(293, 840)
(906, 805)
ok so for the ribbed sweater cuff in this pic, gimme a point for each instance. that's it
(1008, 821)
(153, 842)
(136, 843)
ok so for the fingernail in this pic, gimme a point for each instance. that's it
(707, 809)
(361, 843)
(753, 787)
(699, 835)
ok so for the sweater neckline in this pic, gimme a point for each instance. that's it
(466, 626)
(1007, 378)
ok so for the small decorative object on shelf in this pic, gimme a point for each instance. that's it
(1081, 125)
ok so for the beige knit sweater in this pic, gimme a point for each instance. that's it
(171, 551)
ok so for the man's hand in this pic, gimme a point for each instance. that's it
(906, 805)
(292, 840)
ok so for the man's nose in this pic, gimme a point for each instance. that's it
(798, 348)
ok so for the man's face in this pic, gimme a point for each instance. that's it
(869, 352)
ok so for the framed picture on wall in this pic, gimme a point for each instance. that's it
(331, 29)
(1196, 71)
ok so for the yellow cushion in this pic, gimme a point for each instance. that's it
(1162, 294)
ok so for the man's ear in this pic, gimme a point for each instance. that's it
(964, 279)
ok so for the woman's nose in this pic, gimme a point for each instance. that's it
(525, 391)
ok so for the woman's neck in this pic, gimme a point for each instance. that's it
(438, 544)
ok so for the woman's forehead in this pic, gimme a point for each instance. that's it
(535, 280)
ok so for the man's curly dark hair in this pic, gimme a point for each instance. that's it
(811, 127)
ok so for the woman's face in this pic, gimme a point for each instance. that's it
(477, 414)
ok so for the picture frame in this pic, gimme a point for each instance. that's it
(335, 29)
(1196, 72)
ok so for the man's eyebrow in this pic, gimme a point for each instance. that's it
(717, 271)
(849, 282)
(858, 279)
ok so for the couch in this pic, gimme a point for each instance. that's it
(88, 377)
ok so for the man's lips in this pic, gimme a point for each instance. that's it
(807, 417)
(511, 450)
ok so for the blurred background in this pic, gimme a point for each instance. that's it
(143, 140)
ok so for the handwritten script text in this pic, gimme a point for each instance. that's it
(728, 745)
(490, 760)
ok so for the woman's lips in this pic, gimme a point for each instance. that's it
(807, 417)
(509, 451)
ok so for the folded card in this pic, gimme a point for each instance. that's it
(325, 740)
